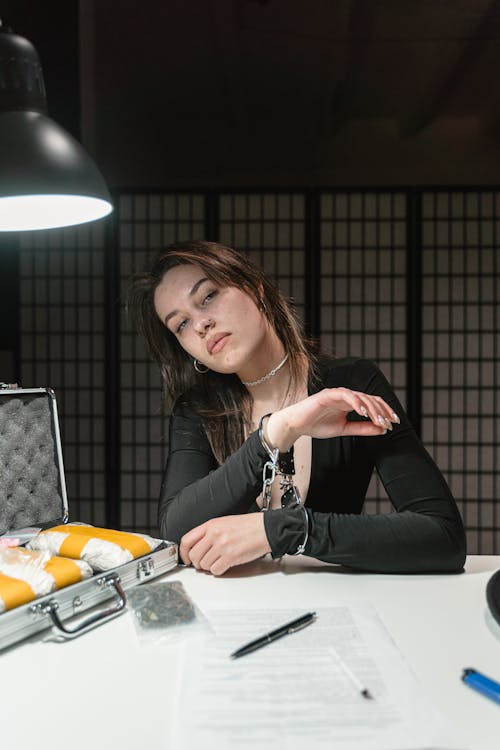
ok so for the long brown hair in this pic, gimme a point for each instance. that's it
(221, 400)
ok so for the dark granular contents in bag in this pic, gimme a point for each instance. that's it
(161, 604)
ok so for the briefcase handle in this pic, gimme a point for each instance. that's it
(111, 580)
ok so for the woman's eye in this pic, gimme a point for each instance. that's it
(181, 326)
(208, 297)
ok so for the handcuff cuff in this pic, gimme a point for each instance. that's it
(284, 465)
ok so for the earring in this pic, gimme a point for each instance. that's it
(262, 306)
(199, 368)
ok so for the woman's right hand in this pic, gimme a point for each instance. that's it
(324, 415)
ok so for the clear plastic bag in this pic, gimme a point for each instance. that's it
(164, 613)
(28, 574)
(26, 570)
(18, 562)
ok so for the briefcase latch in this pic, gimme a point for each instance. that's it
(145, 568)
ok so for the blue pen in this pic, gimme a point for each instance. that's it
(482, 684)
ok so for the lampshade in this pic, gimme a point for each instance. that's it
(47, 179)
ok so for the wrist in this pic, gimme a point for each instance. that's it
(278, 432)
(280, 462)
(287, 531)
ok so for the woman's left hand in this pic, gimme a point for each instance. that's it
(222, 543)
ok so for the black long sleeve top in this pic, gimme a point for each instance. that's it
(424, 534)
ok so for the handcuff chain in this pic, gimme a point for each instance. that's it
(267, 481)
(291, 495)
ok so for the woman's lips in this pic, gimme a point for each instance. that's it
(219, 344)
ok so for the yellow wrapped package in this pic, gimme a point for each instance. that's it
(102, 549)
(26, 575)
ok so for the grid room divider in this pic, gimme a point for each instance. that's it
(460, 352)
(406, 277)
(63, 342)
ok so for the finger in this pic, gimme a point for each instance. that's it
(353, 401)
(210, 558)
(369, 408)
(364, 429)
(363, 402)
(200, 550)
(378, 411)
(189, 540)
(220, 566)
(387, 410)
(184, 553)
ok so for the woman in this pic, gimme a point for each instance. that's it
(251, 401)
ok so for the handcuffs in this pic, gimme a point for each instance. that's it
(284, 465)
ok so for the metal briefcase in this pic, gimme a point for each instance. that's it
(33, 493)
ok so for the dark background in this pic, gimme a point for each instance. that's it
(276, 92)
(352, 147)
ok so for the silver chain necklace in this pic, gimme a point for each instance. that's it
(269, 374)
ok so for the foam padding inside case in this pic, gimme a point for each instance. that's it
(30, 492)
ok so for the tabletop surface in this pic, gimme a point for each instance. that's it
(105, 688)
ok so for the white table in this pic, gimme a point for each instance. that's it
(105, 690)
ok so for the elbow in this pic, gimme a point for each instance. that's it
(169, 530)
(451, 548)
(458, 543)
(452, 562)
(174, 519)
(166, 533)
(439, 546)
(457, 557)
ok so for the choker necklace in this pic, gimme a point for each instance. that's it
(268, 376)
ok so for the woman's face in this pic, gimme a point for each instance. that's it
(221, 327)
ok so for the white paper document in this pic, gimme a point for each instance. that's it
(294, 692)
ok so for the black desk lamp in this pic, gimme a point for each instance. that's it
(46, 177)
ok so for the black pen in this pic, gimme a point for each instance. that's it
(290, 627)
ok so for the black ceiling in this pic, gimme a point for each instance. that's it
(212, 92)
